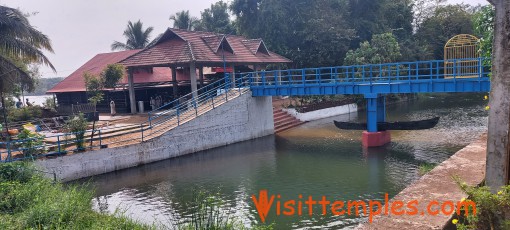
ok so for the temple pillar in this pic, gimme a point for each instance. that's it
(131, 87)
(233, 77)
(175, 87)
(201, 76)
(193, 78)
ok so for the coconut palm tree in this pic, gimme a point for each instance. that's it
(20, 45)
(137, 37)
(182, 20)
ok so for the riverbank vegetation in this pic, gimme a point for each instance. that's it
(492, 209)
(30, 201)
(425, 168)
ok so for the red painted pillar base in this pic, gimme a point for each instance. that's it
(375, 139)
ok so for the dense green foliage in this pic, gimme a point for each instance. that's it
(492, 210)
(446, 22)
(484, 28)
(320, 33)
(136, 37)
(112, 74)
(383, 48)
(94, 85)
(29, 201)
(77, 125)
(108, 78)
(24, 114)
(31, 143)
(216, 19)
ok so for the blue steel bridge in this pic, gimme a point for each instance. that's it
(374, 81)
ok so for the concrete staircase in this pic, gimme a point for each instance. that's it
(284, 121)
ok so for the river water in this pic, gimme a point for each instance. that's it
(314, 159)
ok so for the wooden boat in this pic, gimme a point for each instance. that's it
(398, 125)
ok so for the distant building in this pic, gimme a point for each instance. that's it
(164, 68)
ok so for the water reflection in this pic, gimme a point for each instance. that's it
(315, 159)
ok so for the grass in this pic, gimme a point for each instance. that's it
(425, 168)
(30, 201)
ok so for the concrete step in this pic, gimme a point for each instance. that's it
(286, 123)
(288, 126)
(279, 116)
(279, 113)
(284, 120)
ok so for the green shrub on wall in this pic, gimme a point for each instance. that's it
(25, 113)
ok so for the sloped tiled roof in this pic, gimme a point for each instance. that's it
(76, 83)
(179, 47)
(252, 44)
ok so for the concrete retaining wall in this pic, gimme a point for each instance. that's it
(323, 113)
(241, 119)
(439, 185)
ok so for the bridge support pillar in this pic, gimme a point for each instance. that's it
(376, 112)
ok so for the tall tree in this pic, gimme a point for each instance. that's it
(183, 20)
(446, 22)
(216, 19)
(20, 45)
(310, 32)
(484, 29)
(369, 17)
(246, 12)
(136, 37)
(424, 9)
(383, 48)
(498, 148)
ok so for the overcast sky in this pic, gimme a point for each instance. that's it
(80, 29)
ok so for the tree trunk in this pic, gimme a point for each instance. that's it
(497, 169)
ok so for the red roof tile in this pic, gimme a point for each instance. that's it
(179, 47)
(75, 82)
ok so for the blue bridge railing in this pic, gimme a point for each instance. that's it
(458, 75)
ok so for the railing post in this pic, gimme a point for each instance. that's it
(303, 76)
(9, 157)
(454, 69)
(141, 128)
(100, 140)
(178, 117)
(150, 120)
(58, 144)
(195, 105)
(398, 72)
(317, 73)
(480, 67)
(212, 99)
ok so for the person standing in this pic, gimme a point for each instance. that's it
(112, 108)
(19, 104)
(153, 104)
(28, 103)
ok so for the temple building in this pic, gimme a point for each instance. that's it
(178, 63)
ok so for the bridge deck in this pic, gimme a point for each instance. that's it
(460, 75)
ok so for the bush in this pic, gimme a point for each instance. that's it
(24, 114)
(77, 125)
(34, 202)
(30, 142)
(492, 210)
(49, 103)
(426, 167)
